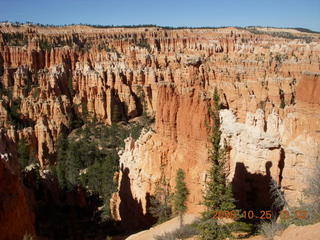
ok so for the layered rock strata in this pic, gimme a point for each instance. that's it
(269, 88)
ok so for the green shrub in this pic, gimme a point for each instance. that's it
(161, 202)
(239, 226)
(287, 35)
(185, 231)
(14, 115)
(70, 87)
(6, 91)
(280, 58)
(36, 92)
(45, 45)
(160, 210)
(226, 58)
(25, 155)
(210, 229)
(104, 46)
(135, 130)
(85, 47)
(13, 110)
(143, 43)
(15, 39)
(270, 229)
(282, 99)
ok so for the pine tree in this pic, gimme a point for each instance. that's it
(181, 195)
(62, 148)
(218, 194)
(70, 86)
(161, 203)
(61, 175)
(25, 155)
(74, 161)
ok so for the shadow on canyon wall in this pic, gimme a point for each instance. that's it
(252, 190)
(62, 214)
(73, 214)
(131, 212)
(281, 165)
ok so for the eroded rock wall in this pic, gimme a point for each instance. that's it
(16, 212)
(269, 88)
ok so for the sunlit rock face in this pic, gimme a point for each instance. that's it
(269, 88)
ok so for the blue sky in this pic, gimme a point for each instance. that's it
(278, 13)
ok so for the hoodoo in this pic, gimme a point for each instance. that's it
(54, 80)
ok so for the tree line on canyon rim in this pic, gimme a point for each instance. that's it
(21, 39)
(18, 24)
(82, 46)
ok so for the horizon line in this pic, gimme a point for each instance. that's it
(301, 29)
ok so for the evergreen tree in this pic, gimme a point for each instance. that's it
(61, 175)
(210, 229)
(25, 155)
(74, 162)
(160, 204)
(70, 86)
(218, 194)
(181, 195)
(62, 148)
(86, 160)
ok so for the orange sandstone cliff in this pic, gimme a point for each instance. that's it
(269, 87)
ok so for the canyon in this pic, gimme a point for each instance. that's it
(269, 86)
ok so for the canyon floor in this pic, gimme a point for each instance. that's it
(293, 232)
